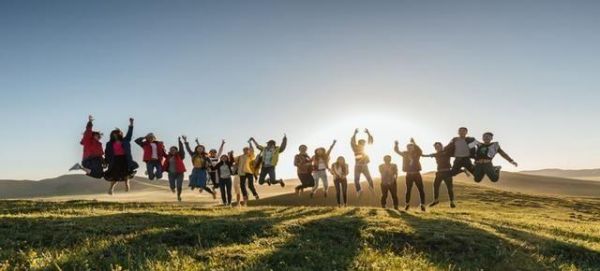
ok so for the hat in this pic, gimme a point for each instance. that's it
(150, 135)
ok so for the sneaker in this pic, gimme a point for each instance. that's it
(452, 205)
(281, 183)
(396, 208)
(132, 174)
(256, 197)
(467, 173)
(76, 167)
(146, 173)
(297, 191)
(407, 207)
(422, 208)
(434, 203)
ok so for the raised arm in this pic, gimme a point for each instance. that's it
(370, 139)
(187, 146)
(129, 134)
(353, 140)
(331, 148)
(258, 146)
(397, 148)
(417, 148)
(221, 148)
(139, 141)
(87, 135)
(181, 150)
(283, 144)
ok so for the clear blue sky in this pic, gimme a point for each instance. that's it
(526, 70)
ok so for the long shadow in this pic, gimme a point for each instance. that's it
(450, 243)
(193, 237)
(330, 243)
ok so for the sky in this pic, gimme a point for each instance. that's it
(315, 70)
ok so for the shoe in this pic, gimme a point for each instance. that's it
(110, 192)
(452, 205)
(214, 195)
(422, 208)
(146, 173)
(434, 203)
(297, 191)
(339, 205)
(132, 174)
(173, 190)
(76, 167)
(179, 199)
(281, 183)
(467, 173)
(407, 207)
(256, 197)
(497, 169)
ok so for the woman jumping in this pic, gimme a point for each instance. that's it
(121, 166)
(201, 164)
(320, 167)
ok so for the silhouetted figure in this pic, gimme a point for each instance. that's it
(340, 171)
(304, 169)
(154, 153)
(462, 149)
(175, 168)
(443, 174)
(411, 164)
(362, 160)
(214, 155)
(320, 166)
(201, 163)
(485, 153)
(121, 166)
(389, 175)
(92, 162)
(269, 157)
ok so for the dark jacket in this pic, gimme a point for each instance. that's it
(442, 160)
(411, 161)
(126, 143)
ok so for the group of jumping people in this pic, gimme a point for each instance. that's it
(214, 171)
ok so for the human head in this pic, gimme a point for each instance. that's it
(341, 160)
(302, 148)
(200, 149)
(410, 147)
(320, 151)
(462, 132)
(488, 137)
(224, 158)
(438, 146)
(173, 150)
(246, 150)
(362, 142)
(97, 135)
(116, 135)
(150, 137)
(212, 153)
(271, 144)
(387, 159)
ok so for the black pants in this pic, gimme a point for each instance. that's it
(460, 163)
(225, 186)
(306, 180)
(341, 187)
(486, 169)
(213, 178)
(446, 177)
(264, 171)
(391, 188)
(416, 179)
(247, 178)
(176, 182)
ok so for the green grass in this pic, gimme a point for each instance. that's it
(491, 230)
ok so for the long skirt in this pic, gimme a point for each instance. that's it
(118, 170)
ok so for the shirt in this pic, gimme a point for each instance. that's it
(389, 172)
(224, 171)
(268, 157)
(303, 163)
(172, 165)
(118, 148)
(154, 150)
(461, 148)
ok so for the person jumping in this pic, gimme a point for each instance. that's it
(361, 159)
(412, 166)
(92, 162)
(486, 152)
(269, 156)
(154, 153)
(443, 174)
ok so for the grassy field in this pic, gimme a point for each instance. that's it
(491, 230)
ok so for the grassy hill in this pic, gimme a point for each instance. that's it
(585, 174)
(491, 230)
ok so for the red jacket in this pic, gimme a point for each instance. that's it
(179, 165)
(91, 146)
(160, 150)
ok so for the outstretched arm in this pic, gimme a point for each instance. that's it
(259, 147)
(187, 146)
(353, 140)
(283, 144)
(397, 148)
(331, 147)
(221, 148)
(507, 157)
(197, 142)
(87, 135)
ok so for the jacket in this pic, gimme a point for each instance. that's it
(147, 147)
(91, 146)
(179, 156)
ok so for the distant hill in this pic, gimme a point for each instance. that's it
(591, 174)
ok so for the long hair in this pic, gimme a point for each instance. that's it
(116, 135)
(322, 155)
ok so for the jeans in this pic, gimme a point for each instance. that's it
(362, 169)
(391, 188)
(415, 178)
(154, 169)
(320, 175)
(460, 163)
(268, 171)
(225, 187)
(306, 180)
(341, 187)
(486, 169)
(249, 179)
(176, 182)
(446, 177)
